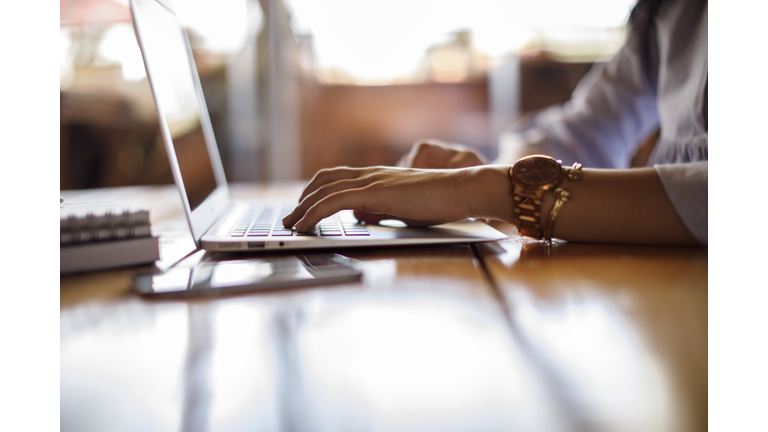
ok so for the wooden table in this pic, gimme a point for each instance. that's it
(499, 336)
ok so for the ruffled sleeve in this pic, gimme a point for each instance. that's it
(687, 190)
(611, 111)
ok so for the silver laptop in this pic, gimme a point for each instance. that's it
(217, 222)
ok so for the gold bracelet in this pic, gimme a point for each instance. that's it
(575, 172)
(561, 197)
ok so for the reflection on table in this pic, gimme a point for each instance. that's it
(510, 335)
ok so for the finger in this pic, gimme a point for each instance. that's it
(321, 192)
(457, 160)
(404, 161)
(464, 159)
(421, 153)
(326, 176)
(429, 155)
(331, 204)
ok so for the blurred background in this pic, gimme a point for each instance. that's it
(294, 86)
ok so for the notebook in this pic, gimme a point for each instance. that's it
(99, 221)
(99, 236)
(216, 221)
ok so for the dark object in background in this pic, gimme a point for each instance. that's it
(545, 82)
(102, 145)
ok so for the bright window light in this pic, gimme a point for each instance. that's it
(118, 45)
(223, 24)
(382, 40)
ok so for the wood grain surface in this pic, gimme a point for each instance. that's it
(618, 332)
(493, 337)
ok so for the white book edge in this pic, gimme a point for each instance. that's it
(107, 255)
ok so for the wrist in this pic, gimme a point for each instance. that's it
(489, 192)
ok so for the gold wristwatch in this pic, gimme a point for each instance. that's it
(532, 176)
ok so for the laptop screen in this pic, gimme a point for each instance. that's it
(170, 71)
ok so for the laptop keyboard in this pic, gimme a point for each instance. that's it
(267, 223)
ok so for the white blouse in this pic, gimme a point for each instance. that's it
(617, 105)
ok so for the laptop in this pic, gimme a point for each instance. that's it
(217, 222)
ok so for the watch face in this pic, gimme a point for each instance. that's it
(536, 170)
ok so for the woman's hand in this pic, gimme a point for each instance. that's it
(431, 154)
(421, 197)
(417, 197)
(435, 154)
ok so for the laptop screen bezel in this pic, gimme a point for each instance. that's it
(218, 202)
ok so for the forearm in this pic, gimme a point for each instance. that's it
(607, 206)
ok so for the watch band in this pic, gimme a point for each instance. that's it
(527, 209)
(527, 202)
